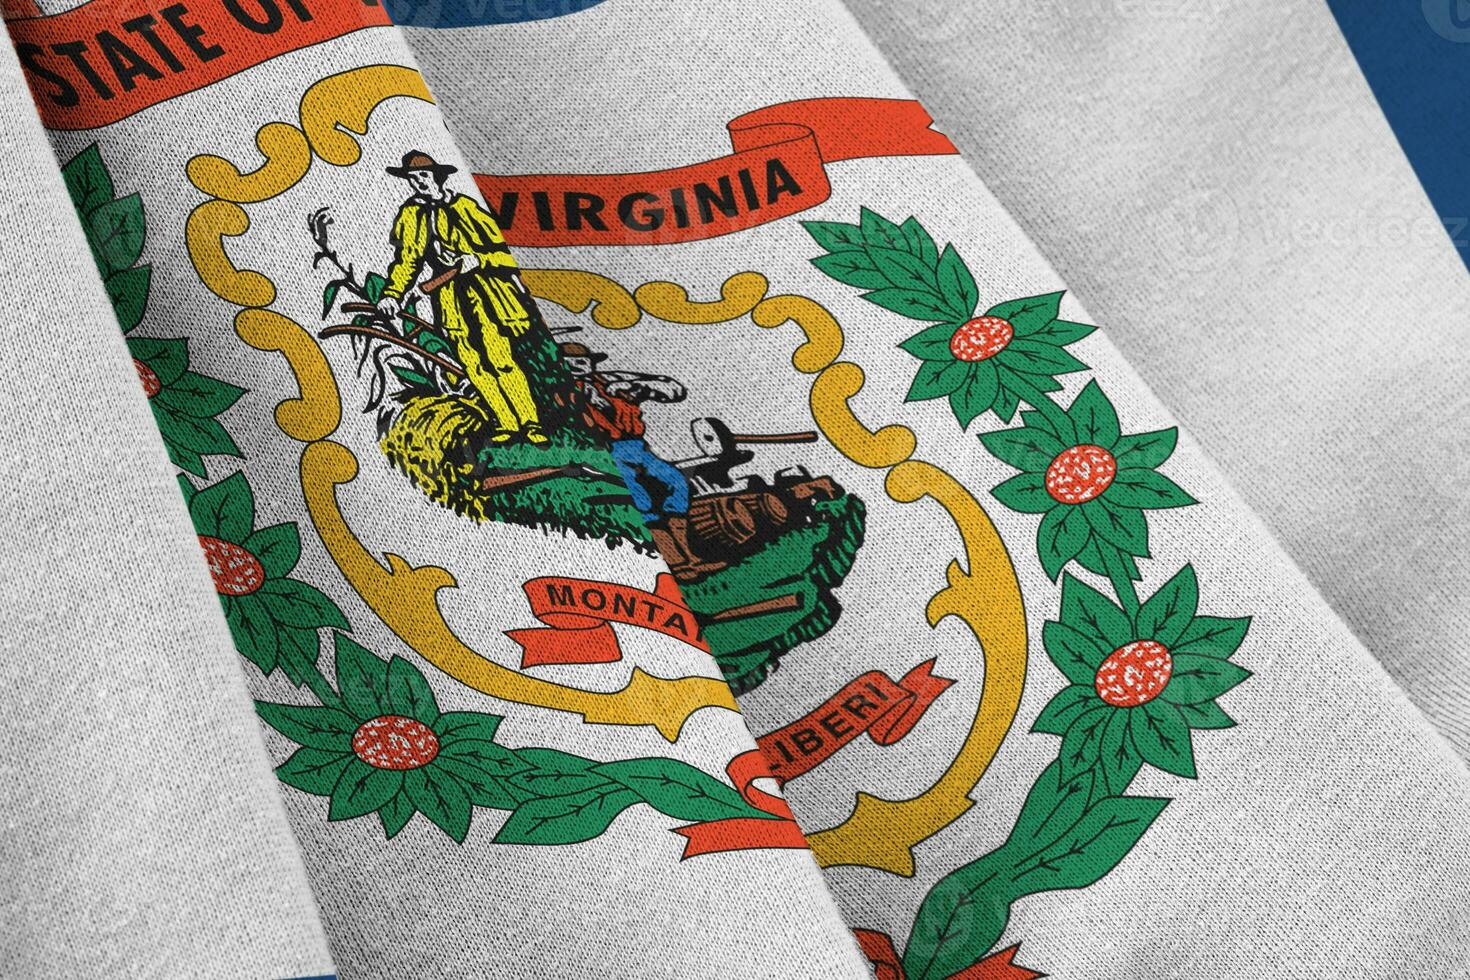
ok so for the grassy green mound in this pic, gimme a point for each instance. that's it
(809, 562)
(427, 440)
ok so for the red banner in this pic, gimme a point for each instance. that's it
(885, 709)
(745, 833)
(778, 169)
(878, 948)
(105, 60)
(577, 613)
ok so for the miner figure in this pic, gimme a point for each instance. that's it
(472, 285)
(611, 401)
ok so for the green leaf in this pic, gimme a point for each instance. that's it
(835, 236)
(1146, 490)
(314, 771)
(362, 789)
(1168, 611)
(362, 678)
(1039, 420)
(1117, 754)
(225, 510)
(1061, 332)
(910, 303)
(329, 300)
(678, 790)
(956, 284)
(433, 344)
(115, 231)
(1070, 703)
(935, 379)
(396, 814)
(1028, 449)
(1199, 679)
(128, 291)
(975, 395)
(409, 376)
(278, 547)
(1029, 314)
(1052, 806)
(186, 459)
(167, 358)
(1064, 531)
(491, 761)
(1025, 493)
(372, 286)
(254, 632)
(1094, 846)
(1163, 739)
(1094, 417)
(567, 819)
(1122, 527)
(298, 653)
(919, 242)
(961, 918)
(879, 231)
(314, 726)
(554, 776)
(204, 436)
(303, 606)
(902, 269)
(1032, 358)
(491, 758)
(87, 180)
(409, 693)
(1075, 654)
(198, 396)
(1206, 714)
(852, 268)
(1145, 450)
(1101, 557)
(453, 726)
(485, 788)
(1006, 403)
(1213, 636)
(1083, 741)
(931, 343)
(442, 798)
(1086, 609)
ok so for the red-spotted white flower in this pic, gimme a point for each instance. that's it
(1139, 685)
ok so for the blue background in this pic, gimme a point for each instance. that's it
(472, 13)
(1416, 57)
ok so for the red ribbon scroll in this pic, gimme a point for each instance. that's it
(778, 169)
(103, 61)
(745, 833)
(885, 709)
(577, 612)
(878, 948)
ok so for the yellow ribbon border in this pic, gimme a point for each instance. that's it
(984, 592)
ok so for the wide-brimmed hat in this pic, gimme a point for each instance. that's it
(419, 160)
(574, 349)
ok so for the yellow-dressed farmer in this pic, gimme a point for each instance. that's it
(461, 247)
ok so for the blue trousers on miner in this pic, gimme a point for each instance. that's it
(638, 464)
